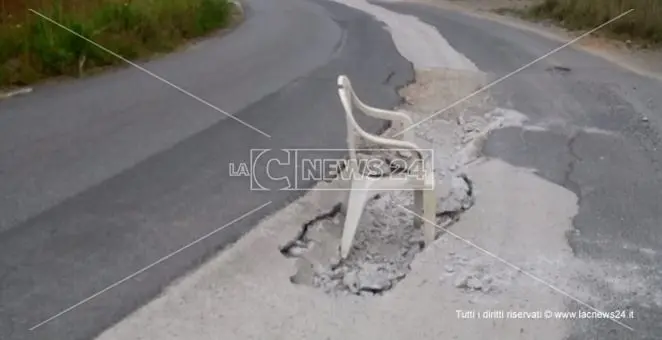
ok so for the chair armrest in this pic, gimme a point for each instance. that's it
(406, 120)
(393, 116)
(383, 114)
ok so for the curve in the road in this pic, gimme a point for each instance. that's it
(66, 137)
(103, 176)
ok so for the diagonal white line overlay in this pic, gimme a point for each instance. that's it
(200, 239)
(482, 89)
(519, 269)
(154, 75)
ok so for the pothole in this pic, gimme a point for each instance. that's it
(386, 243)
(387, 240)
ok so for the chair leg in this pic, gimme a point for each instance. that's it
(355, 205)
(345, 195)
(418, 208)
(430, 214)
(346, 189)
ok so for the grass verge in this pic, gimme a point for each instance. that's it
(31, 48)
(643, 25)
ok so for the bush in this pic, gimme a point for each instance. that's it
(32, 48)
(643, 24)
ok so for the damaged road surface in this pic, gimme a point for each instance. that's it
(548, 187)
(386, 243)
(595, 129)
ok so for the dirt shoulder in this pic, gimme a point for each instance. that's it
(47, 46)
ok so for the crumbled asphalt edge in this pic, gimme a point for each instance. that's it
(332, 278)
(301, 239)
(454, 215)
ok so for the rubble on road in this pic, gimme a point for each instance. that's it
(387, 241)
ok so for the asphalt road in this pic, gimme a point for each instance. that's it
(103, 176)
(602, 141)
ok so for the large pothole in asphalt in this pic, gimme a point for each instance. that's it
(385, 245)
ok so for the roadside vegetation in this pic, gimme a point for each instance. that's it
(644, 25)
(32, 48)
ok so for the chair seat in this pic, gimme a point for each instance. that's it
(390, 162)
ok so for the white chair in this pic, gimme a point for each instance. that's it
(363, 187)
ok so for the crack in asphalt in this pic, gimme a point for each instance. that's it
(572, 235)
(454, 215)
(300, 238)
(567, 181)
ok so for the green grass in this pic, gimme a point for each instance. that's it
(643, 25)
(32, 48)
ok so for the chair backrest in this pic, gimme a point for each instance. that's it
(349, 101)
